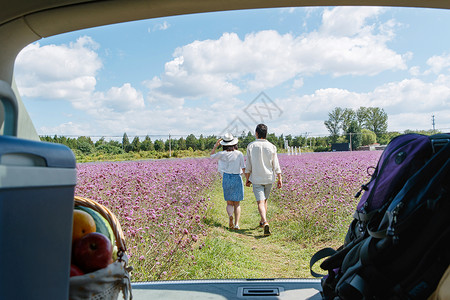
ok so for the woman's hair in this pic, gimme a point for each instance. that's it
(261, 130)
(230, 147)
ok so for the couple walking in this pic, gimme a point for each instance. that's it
(260, 171)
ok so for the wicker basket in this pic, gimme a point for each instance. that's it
(106, 283)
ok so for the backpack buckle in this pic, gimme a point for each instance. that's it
(438, 143)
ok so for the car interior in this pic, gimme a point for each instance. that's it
(36, 267)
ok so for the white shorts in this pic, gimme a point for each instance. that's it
(262, 191)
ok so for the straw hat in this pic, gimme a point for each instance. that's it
(228, 140)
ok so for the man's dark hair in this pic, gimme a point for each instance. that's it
(261, 130)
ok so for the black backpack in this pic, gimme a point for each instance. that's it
(397, 247)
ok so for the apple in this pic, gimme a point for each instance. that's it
(75, 271)
(92, 252)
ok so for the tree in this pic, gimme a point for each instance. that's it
(159, 145)
(368, 137)
(247, 140)
(147, 144)
(334, 122)
(191, 142)
(354, 134)
(210, 141)
(110, 149)
(376, 120)
(125, 143)
(135, 144)
(298, 141)
(348, 116)
(201, 143)
(361, 116)
(182, 144)
(387, 137)
(273, 139)
(101, 141)
(85, 145)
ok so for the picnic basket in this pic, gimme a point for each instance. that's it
(109, 282)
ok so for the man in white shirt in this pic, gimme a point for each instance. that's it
(262, 167)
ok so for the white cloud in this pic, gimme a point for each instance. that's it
(345, 44)
(58, 71)
(160, 26)
(66, 129)
(438, 63)
(68, 72)
(348, 21)
(409, 103)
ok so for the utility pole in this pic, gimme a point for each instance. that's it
(350, 141)
(432, 120)
(306, 138)
(170, 146)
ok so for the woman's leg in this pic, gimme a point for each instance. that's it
(230, 210)
(237, 211)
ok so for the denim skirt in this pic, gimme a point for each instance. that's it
(233, 187)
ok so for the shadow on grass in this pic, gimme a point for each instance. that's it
(212, 222)
(251, 232)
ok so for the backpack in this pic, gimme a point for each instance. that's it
(397, 245)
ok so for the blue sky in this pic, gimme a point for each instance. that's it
(227, 71)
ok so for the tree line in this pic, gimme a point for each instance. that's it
(364, 126)
(85, 145)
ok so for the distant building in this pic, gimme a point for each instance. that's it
(340, 147)
(372, 147)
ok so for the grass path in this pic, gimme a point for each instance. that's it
(245, 253)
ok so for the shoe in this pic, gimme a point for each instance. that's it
(231, 224)
(261, 224)
(236, 227)
(266, 229)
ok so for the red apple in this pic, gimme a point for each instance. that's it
(92, 252)
(75, 271)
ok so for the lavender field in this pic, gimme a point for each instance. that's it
(162, 204)
(317, 198)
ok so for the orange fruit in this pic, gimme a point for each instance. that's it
(83, 223)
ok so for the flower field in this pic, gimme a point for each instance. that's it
(318, 193)
(162, 204)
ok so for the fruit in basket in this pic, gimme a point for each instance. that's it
(75, 271)
(92, 252)
(102, 225)
(83, 223)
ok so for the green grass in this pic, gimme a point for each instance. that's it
(246, 253)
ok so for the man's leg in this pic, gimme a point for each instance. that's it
(267, 189)
(258, 190)
(265, 205)
(262, 210)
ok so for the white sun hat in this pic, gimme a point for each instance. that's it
(229, 140)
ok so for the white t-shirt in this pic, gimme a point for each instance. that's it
(262, 162)
(231, 162)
